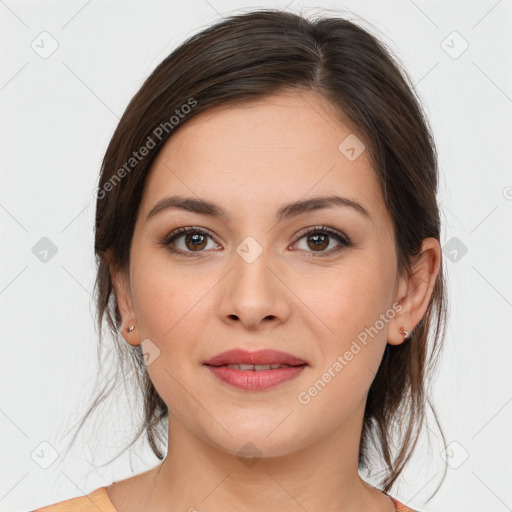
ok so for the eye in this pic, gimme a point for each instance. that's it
(194, 240)
(319, 237)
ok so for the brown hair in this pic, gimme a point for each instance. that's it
(246, 57)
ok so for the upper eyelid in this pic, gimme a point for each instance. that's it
(187, 229)
(325, 229)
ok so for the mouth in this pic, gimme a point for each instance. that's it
(255, 371)
(256, 367)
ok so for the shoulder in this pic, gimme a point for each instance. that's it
(92, 502)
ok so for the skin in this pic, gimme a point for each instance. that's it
(250, 160)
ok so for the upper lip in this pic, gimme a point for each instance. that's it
(241, 356)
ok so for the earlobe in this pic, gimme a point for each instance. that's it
(129, 337)
(403, 332)
(122, 293)
(415, 291)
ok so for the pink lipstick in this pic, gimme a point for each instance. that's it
(257, 370)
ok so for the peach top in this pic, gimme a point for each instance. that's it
(98, 501)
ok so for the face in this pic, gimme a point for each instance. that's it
(310, 282)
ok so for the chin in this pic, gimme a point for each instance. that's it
(260, 440)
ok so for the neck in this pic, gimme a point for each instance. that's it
(323, 476)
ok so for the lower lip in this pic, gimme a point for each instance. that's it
(255, 380)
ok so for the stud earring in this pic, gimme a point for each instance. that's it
(130, 329)
(403, 332)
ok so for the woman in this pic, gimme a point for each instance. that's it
(268, 233)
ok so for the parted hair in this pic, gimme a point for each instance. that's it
(249, 56)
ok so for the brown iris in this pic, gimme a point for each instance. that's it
(198, 241)
(319, 244)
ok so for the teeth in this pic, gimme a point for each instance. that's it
(257, 367)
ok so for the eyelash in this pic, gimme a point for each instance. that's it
(340, 237)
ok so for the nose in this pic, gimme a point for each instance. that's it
(253, 292)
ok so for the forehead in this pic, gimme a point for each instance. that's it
(263, 153)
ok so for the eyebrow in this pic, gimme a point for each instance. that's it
(204, 207)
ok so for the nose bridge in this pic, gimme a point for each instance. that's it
(253, 292)
(251, 275)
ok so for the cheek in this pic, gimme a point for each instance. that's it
(352, 335)
(167, 299)
(351, 348)
(346, 300)
(172, 312)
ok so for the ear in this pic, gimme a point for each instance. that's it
(414, 291)
(122, 292)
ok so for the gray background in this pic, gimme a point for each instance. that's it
(58, 111)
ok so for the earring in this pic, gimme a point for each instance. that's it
(130, 329)
(403, 332)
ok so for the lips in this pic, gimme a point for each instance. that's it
(257, 370)
(256, 360)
